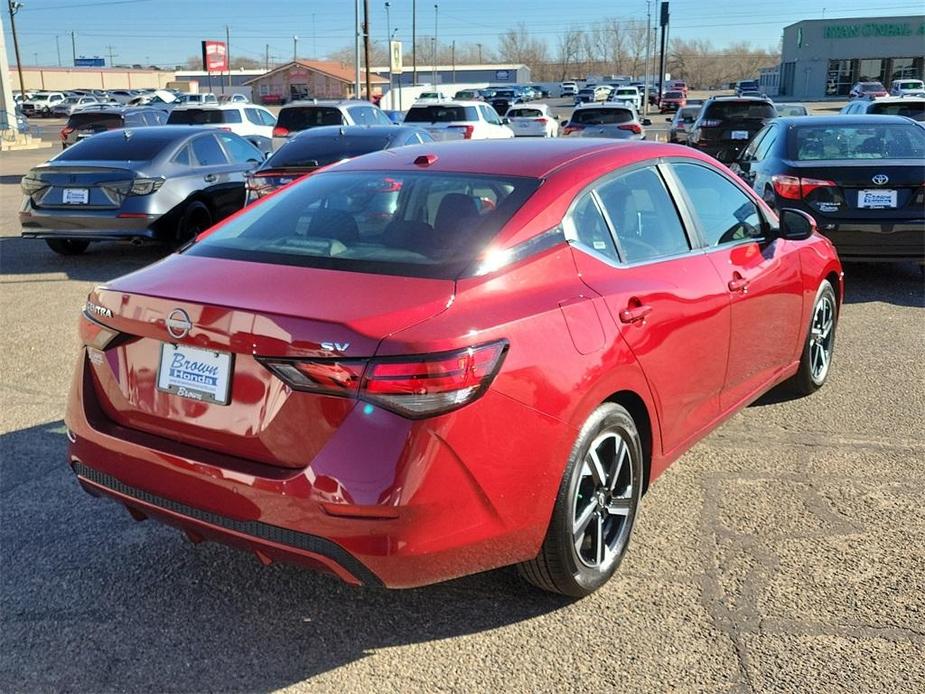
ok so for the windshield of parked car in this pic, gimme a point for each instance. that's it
(320, 151)
(602, 116)
(909, 108)
(101, 121)
(41, 97)
(415, 223)
(441, 114)
(114, 146)
(899, 141)
(740, 110)
(202, 116)
(304, 117)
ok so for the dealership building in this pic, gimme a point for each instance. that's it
(826, 57)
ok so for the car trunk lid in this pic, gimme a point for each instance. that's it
(236, 317)
(83, 185)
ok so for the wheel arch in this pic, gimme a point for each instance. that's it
(639, 411)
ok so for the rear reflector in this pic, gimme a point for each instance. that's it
(414, 387)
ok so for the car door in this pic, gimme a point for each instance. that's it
(763, 279)
(494, 127)
(632, 248)
(223, 183)
(243, 157)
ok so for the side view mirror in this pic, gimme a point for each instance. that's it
(796, 225)
(505, 121)
(647, 122)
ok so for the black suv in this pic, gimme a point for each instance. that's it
(96, 120)
(727, 123)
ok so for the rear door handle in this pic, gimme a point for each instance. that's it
(210, 178)
(634, 314)
(738, 284)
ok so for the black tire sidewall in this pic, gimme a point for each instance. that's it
(804, 378)
(609, 416)
(184, 234)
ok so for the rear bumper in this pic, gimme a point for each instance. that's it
(864, 241)
(386, 501)
(90, 225)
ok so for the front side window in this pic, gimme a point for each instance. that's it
(643, 216)
(208, 152)
(253, 115)
(726, 214)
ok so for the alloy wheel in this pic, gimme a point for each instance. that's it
(820, 339)
(603, 501)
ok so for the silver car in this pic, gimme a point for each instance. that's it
(681, 123)
(71, 104)
(161, 183)
(611, 120)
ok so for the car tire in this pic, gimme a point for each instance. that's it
(196, 219)
(572, 560)
(816, 360)
(67, 246)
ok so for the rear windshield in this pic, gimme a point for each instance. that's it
(740, 110)
(899, 141)
(871, 87)
(914, 84)
(911, 109)
(423, 224)
(101, 121)
(674, 95)
(602, 116)
(202, 116)
(305, 117)
(791, 110)
(105, 148)
(320, 151)
(504, 93)
(688, 115)
(441, 114)
(524, 113)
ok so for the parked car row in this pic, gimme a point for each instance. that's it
(62, 103)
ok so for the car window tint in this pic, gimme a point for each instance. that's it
(182, 157)
(362, 115)
(239, 149)
(752, 149)
(602, 116)
(380, 118)
(231, 116)
(133, 120)
(304, 117)
(590, 228)
(880, 141)
(268, 118)
(207, 151)
(253, 115)
(726, 214)
(643, 215)
(766, 143)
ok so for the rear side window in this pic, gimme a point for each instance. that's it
(899, 141)
(239, 149)
(643, 216)
(441, 114)
(602, 116)
(134, 120)
(304, 117)
(363, 115)
(739, 110)
(726, 214)
(207, 151)
(412, 223)
(590, 228)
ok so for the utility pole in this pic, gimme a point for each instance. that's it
(14, 8)
(73, 50)
(267, 59)
(295, 48)
(388, 49)
(414, 42)
(356, 49)
(227, 80)
(663, 22)
(480, 52)
(58, 48)
(111, 54)
(645, 75)
(436, 9)
(369, 91)
(314, 39)
(453, 53)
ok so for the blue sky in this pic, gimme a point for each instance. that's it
(168, 31)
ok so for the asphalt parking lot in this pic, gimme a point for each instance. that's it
(786, 552)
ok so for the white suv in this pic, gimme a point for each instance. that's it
(628, 95)
(252, 122)
(41, 104)
(459, 120)
(303, 115)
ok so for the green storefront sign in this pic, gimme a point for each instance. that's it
(854, 31)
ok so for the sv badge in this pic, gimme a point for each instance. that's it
(335, 346)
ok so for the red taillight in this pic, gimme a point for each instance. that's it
(65, 131)
(421, 386)
(569, 129)
(544, 121)
(257, 187)
(225, 128)
(795, 188)
(279, 131)
(710, 123)
(467, 130)
(632, 127)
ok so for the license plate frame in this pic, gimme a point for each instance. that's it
(888, 195)
(210, 382)
(738, 134)
(75, 196)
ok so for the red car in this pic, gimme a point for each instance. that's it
(672, 101)
(492, 374)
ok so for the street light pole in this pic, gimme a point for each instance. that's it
(356, 49)
(388, 47)
(369, 91)
(14, 8)
(58, 49)
(295, 48)
(436, 9)
(73, 50)
(414, 42)
(645, 78)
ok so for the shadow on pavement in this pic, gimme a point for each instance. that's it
(92, 601)
(901, 284)
(102, 260)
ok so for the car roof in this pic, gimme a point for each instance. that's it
(158, 132)
(302, 103)
(514, 157)
(846, 120)
(605, 104)
(208, 107)
(739, 98)
(894, 100)
(449, 102)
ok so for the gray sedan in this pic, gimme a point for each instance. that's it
(162, 183)
(611, 120)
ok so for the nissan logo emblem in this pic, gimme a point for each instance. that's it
(178, 323)
(881, 179)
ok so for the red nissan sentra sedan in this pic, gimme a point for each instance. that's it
(489, 370)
